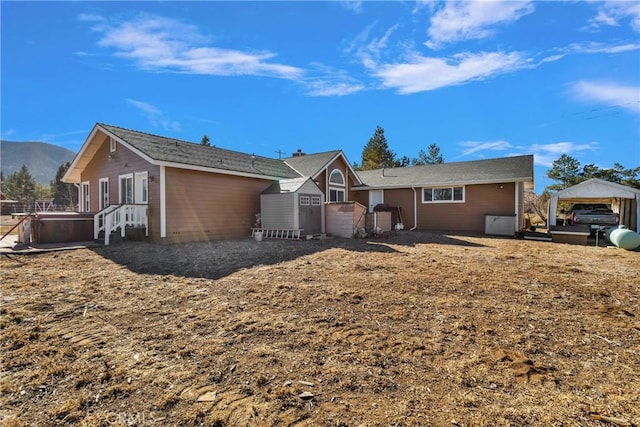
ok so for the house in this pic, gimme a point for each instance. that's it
(457, 196)
(176, 191)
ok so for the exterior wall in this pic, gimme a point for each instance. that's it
(342, 218)
(403, 198)
(277, 210)
(206, 206)
(469, 216)
(105, 164)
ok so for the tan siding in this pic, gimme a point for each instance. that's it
(469, 216)
(277, 210)
(123, 161)
(206, 206)
(403, 198)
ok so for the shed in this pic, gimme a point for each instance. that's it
(293, 204)
(623, 199)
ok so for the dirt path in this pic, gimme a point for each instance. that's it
(419, 329)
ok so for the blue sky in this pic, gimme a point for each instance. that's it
(479, 79)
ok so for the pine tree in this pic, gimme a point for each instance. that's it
(376, 154)
(21, 186)
(64, 195)
(205, 141)
(432, 157)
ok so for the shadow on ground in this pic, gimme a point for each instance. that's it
(214, 260)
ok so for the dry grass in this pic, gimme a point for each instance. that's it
(419, 329)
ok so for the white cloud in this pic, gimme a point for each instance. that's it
(428, 73)
(614, 13)
(602, 48)
(466, 20)
(154, 115)
(162, 44)
(614, 95)
(471, 147)
(354, 6)
(546, 154)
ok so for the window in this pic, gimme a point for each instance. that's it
(104, 193)
(336, 180)
(443, 195)
(316, 200)
(336, 177)
(336, 195)
(126, 189)
(305, 200)
(112, 145)
(85, 205)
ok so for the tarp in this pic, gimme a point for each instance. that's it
(623, 199)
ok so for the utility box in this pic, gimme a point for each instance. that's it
(500, 225)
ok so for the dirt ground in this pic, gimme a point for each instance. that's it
(418, 329)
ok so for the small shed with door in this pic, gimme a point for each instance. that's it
(293, 204)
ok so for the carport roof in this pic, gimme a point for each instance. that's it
(596, 189)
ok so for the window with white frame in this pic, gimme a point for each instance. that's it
(104, 193)
(316, 201)
(443, 195)
(125, 195)
(85, 202)
(305, 200)
(112, 145)
(337, 189)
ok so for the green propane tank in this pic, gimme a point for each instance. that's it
(625, 238)
(610, 230)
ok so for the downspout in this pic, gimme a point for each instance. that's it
(415, 210)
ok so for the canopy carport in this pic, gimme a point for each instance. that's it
(624, 200)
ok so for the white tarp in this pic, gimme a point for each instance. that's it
(596, 191)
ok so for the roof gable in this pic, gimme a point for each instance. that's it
(505, 169)
(312, 165)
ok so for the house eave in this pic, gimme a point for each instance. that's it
(366, 187)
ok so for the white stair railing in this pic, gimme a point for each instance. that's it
(99, 220)
(121, 217)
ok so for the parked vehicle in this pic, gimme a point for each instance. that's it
(593, 214)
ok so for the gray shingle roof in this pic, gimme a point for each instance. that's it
(165, 149)
(311, 164)
(506, 169)
(286, 186)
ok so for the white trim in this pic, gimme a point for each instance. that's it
(452, 200)
(140, 179)
(344, 180)
(163, 202)
(415, 209)
(120, 178)
(112, 145)
(101, 200)
(85, 200)
(517, 199)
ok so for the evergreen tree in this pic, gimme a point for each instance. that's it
(566, 170)
(64, 195)
(432, 157)
(376, 154)
(205, 141)
(21, 186)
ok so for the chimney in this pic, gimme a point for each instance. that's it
(298, 153)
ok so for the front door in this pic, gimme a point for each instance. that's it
(141, 188)
(104, 193)
(375, 198)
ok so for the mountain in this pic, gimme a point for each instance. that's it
(42, 159)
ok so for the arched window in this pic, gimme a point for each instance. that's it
(336, 186)
(336, 177)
